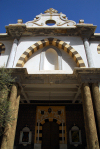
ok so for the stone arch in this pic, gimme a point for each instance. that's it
(98, 48)
(50, 120)
(51, 41)
(43, 121)
(2, 48)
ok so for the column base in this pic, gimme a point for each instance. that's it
(63, 146)
(37, 146)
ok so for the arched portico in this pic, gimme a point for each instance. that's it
(50, 41)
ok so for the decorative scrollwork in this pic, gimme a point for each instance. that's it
(63, 17)
(36, 19)
(67, 22)
(60, 19)
(53, 114)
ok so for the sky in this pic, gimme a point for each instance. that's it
(12, 10)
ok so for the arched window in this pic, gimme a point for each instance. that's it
(51, 59)
(98, 48)
(75, 136)
(2, 48)
(25, 136)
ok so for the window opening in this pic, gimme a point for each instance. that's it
(75, 136)
(25, 136)
(50, 22)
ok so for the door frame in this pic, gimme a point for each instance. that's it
(57, 115)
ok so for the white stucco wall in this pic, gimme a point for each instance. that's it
(95, 55)
(4, 56)
(68, 63)
(26, 42)
(33, 64)
(77, 44)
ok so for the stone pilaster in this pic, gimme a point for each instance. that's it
(90, 125)
(96, 104)
(88, 53)
(10, 129)
(12, 54)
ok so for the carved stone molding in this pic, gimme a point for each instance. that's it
(54, 114)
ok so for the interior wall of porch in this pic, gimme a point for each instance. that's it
(74, 116)
(27, 116)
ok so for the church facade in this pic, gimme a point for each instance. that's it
(56, 63)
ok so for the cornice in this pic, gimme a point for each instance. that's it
(79, 76)
(87, 75)
(17, 31)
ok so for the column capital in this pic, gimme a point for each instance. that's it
(15, 41)
(87, 75)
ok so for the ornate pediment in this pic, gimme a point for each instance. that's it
(51, 18)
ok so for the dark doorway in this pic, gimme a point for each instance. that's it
(50, 136)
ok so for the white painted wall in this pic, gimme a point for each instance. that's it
(26, 42)
(68, 63)
(33, 64)
(77, 44)
(95, 55)
(4, 56)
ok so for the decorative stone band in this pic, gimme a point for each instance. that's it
(98, 49)
(2, 48)
(51, 120)
(50, 41)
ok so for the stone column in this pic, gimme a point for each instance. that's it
(96, 103)
(12, 54)
(90, 126)
(88, 53)
(10, 129)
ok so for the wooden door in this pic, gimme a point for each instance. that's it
(50, 136)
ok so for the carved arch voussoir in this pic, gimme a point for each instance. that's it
(50, 120)
(50, 41)
(98, 49)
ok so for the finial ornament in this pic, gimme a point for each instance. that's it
(51, 10)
